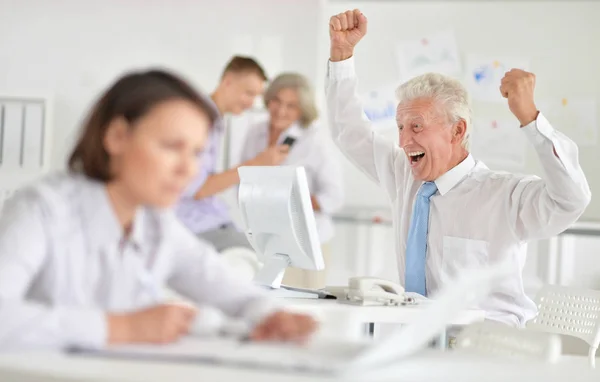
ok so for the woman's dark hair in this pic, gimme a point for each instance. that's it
(131, 97)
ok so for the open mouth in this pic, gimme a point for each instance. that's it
(415, 157)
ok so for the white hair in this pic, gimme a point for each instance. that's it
(306, 95)
(442, 89)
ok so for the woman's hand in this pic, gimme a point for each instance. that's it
(284, 326)
(160, 324)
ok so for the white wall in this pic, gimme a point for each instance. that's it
(585, 268)
(74, 48)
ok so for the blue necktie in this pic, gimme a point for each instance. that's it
(416, 246)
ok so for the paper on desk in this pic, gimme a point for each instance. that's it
(575, 117)
(189, 349)
(436, 52)
(484, 73)
(263, 355)
(499, 143)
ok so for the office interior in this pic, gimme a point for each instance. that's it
(62, 54)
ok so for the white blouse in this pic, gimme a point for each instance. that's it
(64, 263)
(314, 151)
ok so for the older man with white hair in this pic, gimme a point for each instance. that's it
(450, 211)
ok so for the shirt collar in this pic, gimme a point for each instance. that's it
(103, 226)
(137, 236)
(216, 114)
(452, 177)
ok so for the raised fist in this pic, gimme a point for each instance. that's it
(345, 31)
(517, 87)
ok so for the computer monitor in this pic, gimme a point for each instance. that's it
(278, 219)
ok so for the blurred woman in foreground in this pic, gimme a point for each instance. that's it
(85, 255)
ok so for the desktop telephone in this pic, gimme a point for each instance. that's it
(375, 291)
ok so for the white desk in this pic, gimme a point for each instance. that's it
(376, 314)
(349, 320)
(431, 366)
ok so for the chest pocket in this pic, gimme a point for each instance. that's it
(459, 254)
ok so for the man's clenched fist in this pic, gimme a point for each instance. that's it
(517, 86)
(345, 31)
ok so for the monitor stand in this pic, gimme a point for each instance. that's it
(271, 274)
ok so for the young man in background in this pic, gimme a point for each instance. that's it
(243, 80)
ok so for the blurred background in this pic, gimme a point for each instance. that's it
(57, 55)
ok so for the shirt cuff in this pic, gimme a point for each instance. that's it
(546, 141)
(84, 328)
(539, 130)
(340, 70)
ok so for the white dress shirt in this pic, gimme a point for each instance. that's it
(478, 216)
(64, 263)
(313, 151)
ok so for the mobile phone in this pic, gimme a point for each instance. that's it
(289, 141)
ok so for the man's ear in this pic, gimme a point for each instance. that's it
(459, 129)
(116, 136)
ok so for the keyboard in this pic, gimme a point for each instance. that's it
(318, 356)
(322, 357)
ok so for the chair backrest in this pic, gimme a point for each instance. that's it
(569, 311)
(496, 339)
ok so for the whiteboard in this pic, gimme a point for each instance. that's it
(559, 38)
